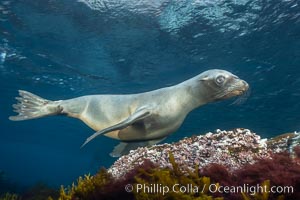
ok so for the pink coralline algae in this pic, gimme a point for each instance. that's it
(231, 149)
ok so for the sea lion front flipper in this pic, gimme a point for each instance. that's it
(139, 114)
(125, 147)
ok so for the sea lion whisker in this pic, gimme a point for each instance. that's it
(243, 98)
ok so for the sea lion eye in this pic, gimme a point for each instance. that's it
(220, 79)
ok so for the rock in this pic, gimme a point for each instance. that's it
(232, 149)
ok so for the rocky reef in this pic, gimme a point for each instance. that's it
(231, 149)
(198, 167)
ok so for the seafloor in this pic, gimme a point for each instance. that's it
(199, 167)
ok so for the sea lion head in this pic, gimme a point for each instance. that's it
(220, 84)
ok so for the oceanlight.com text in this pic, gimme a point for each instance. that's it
(212, 188)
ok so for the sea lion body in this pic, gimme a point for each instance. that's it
(102, 111)
(137, 119)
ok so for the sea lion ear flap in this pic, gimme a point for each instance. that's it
(204, 78)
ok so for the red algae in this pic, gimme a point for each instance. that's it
(227, 159)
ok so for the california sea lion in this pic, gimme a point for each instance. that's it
(137, 119)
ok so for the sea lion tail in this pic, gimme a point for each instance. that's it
(31, 106)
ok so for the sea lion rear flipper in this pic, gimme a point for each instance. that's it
(31, 106)
(124, 148)
(139, 114)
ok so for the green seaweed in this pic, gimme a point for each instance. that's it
(86, 186)
(194, 186)
(40, 191)
(92, 187)
(10, 196)
(104, 186)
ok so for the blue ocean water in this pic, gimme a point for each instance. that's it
(61, 49)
